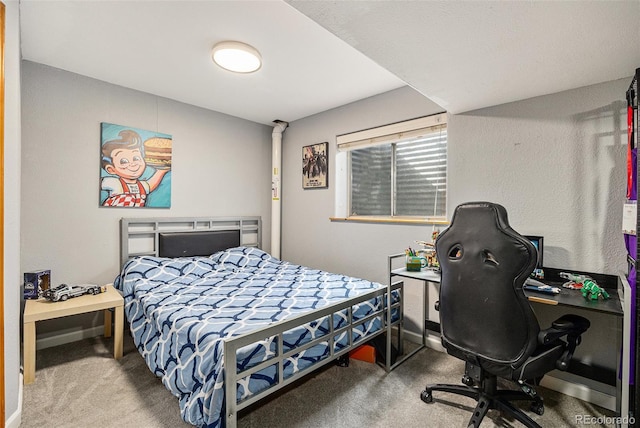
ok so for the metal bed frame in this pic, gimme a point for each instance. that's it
(233, 344)
(149, 230)
(141, 236)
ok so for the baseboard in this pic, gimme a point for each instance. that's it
(15, 419)
(68, 337)
(595, 394)
(432, 341)
(583, 389)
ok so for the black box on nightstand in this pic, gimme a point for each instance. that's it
(35, 283)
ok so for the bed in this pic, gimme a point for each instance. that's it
(202, 297)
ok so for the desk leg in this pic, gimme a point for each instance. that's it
(388, 350)
(29, 352)
(400, 335)
(107, 322)
(425, 311)
(388, 316)
(119, 328)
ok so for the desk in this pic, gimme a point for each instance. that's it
(426, 276)
(39, 310)
(567, 297)
(574, 298)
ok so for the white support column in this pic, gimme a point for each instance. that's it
(276, 182)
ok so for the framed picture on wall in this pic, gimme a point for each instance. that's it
(315, 166)
(135, 169)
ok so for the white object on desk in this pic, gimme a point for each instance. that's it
(534, 285)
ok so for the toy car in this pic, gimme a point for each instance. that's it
(65, 291)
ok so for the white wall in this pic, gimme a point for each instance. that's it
(557, 163)
(221, 167)
(12, 276)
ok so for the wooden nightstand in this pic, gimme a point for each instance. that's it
(42, 309)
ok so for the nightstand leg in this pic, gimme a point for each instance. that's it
(117, 337)
(107, 323)
(29, 352)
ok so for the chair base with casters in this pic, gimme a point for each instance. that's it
(552, 351)
(490, 397)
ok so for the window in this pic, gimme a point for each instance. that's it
(398, 170)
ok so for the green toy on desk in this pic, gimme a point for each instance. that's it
(591, 290)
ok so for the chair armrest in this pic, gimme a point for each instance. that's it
(571, 326)
(565, 325)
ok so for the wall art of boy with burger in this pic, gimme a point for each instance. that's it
(136, 167)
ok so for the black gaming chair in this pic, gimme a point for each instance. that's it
(485, 316)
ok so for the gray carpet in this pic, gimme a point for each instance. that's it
(81, 385)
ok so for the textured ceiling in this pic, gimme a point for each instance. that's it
(466, 55)
(318, 55)
(164, 48)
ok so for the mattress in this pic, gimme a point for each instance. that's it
(180, 310)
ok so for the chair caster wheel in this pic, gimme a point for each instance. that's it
(467, 380)
(426, 396)
(537, 408)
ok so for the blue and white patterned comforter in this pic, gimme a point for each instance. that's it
(180, 310)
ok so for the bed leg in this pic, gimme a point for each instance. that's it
(343, 360)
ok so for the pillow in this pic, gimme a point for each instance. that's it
(241, 257)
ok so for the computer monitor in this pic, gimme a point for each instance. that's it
(538, 242)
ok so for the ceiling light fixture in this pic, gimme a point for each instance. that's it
(236, 56)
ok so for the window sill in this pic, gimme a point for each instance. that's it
(393, 220)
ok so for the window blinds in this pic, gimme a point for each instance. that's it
(406, 176)
(391, 133)
(421, 175)
(371, 181)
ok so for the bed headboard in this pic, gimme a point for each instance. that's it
(186, 236)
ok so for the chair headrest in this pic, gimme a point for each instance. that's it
(484, 264)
